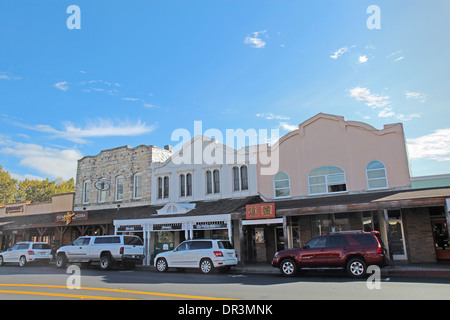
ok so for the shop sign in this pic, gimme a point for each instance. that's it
(14, 209)
(210, 225)
(130, 228)
(166, 227)
(260, 211)
(70, 216)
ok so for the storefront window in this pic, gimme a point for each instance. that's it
(321, 224)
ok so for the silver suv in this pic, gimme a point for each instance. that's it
(206, 254)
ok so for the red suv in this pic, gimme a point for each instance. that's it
(352, 250)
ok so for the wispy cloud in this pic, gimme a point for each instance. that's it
(8, 76)
(433, 146)
(372, 100)
(271, 116)
(50, 162)
(95, 129)
(61, 85)
(339, 52)
(396, 56)
(254, 40)
(288, 127)
(411, 95)
(389, 113)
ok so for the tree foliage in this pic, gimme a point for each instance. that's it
(12, 190)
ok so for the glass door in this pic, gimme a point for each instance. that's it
(396, 235)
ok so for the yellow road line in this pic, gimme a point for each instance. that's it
(65, 295)
(171, 295)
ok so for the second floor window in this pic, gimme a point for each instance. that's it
(326, 180)
(281, 185)
(119, 188)
(376, 175)
(186, 185)
(212, 181)
(137, 186)
(163, 187)
(86, 191)
(240, 178)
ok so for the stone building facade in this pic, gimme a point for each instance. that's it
(116, 178)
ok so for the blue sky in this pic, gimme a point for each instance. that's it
(138, 70)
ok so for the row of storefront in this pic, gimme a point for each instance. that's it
(413, 223)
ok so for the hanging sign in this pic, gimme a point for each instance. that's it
(260, 211)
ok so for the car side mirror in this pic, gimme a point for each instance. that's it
(71, 243)
(306, 247)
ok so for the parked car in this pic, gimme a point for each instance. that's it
(108, 250)
(26, 252)
(205, 254)
(353, 251)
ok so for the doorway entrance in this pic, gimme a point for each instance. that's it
(396, 235)
(261, 241)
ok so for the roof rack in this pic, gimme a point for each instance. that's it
(346, 231)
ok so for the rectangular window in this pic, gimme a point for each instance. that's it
(189, 184)
(119, 188)
(216, 181)
(182, 185)
(86, 192)
(137, 186)
(209, 182)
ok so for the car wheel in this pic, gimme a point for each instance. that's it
(161, 265)
(1, 261)
(356, 268)
(22, 261)
(61, 261)
(206, 265)
(106, 262)
(288, 268)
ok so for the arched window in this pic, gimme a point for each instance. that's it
(326, 180)
(240, 178)
(163, 187)
(281, 185)
(376, 175)
(212, 181)
(185, 185)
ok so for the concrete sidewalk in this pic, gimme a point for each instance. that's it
(426, 270)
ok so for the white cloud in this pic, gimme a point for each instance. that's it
(50, 162)
(372, 100)
(339, 52)
(396, 56)
(288, 127)
(6, 76)
(363, 59)
(271, 116)
(61, 85)
(434, 146)
(96, 129)
(255, 40)
(415, 96)
(389, 113)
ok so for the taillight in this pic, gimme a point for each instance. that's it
(31, 253)
(379, 249)
(121, 250)
(218, 254)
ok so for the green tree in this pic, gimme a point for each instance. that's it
(8, 187)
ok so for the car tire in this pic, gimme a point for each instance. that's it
(61, 261)
(206, 265)
(356, 268)
(22, 261)
(288, 268)
(106, 262)
(161, 265)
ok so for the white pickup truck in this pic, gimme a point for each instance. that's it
(108, 250)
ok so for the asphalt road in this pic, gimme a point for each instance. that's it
(48, 283)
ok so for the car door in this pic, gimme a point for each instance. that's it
(179, 256)
(12, 254)
(197, 251)
(336, 249)
(79, 249)
(313, 253)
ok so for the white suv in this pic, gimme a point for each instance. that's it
(205, 254)
(26, 251)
